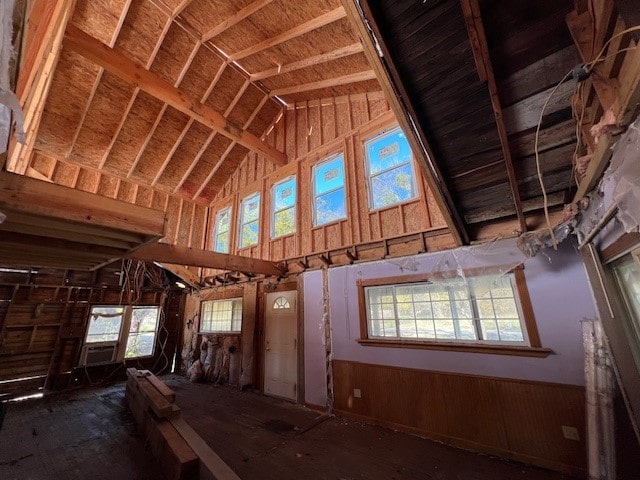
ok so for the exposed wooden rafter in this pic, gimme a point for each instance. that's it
(164, 253)
(240, 15)
(618, 96)
(36, 76)
(389, 79)
(313, 24)
(328, 83)
(223, 157)
(134, 73)
(352, 49)
(473, 19)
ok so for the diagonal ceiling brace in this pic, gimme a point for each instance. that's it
(135, 73)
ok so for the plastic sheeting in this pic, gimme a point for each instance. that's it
(621, 181)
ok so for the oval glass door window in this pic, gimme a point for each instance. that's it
(281, 302)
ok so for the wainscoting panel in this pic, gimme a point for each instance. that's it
(521, 420)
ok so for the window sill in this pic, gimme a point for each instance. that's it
(226, 334)
(515, 350)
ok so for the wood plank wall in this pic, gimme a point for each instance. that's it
(310, 132)
(43, 321)
(516, 419)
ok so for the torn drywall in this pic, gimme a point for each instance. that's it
(621, 181)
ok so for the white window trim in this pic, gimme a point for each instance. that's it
(241, 222)
(221, 332)
(217, 226)
(123, 335)
(367, 166)
(314, 213)
(294, 207)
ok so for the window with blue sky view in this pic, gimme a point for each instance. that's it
(283, 204)
(390, 169)
(329, 191)
(249, 221)
(222, 231)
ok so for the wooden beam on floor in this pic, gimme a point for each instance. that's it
(352, 49)
(209, 458)
(234, 19)
(473, 19)
(328, 83)
(135, 73)
(314, 23)
(396, 95)
(164, 253)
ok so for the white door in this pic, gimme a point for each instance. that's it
(281, 343)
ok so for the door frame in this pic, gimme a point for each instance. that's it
(270, 287)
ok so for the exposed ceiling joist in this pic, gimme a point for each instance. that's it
(328, 83)
(394, 91)
(164, 253)
(50, 225)
(313, 24)
(37, 73)
(352, 49)
(236, 18)
(480, 48)
(134, 73)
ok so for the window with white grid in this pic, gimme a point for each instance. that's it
(482, 309)
(221, 315)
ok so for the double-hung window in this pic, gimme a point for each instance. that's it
(221, 315)
(249, 221)
(329, 203)
(480, 310)
(283, 207)
(222, 230)
(115, 332)
(390, 169)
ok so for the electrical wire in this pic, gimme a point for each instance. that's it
(588, 67)
(537, 154)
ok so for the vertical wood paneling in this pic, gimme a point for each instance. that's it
(517, 419)
(309, 132)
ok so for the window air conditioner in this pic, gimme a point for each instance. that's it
(97, 354)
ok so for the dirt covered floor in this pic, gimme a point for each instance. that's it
(90, 434)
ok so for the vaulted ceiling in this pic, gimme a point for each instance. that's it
(173, 94)
(126, 98)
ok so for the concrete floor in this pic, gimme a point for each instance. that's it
(90, 434)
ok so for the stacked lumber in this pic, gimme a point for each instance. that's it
(175, 444)
(151, 403)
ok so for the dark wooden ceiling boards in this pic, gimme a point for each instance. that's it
(530, 50)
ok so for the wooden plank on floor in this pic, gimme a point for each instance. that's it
(210, 459)
(165, 391)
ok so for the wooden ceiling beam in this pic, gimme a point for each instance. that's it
(217, 166)
(361, 19)
(473, 19)
(36, 75)
(27, 195)
(136, 74)
(164, 253)
(234, 19)
(180, 8)
(313, 24)
(125, 114)
(177, 83)
(328, 83)
(352, 49)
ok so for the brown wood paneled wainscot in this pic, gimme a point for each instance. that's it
(517, 419)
